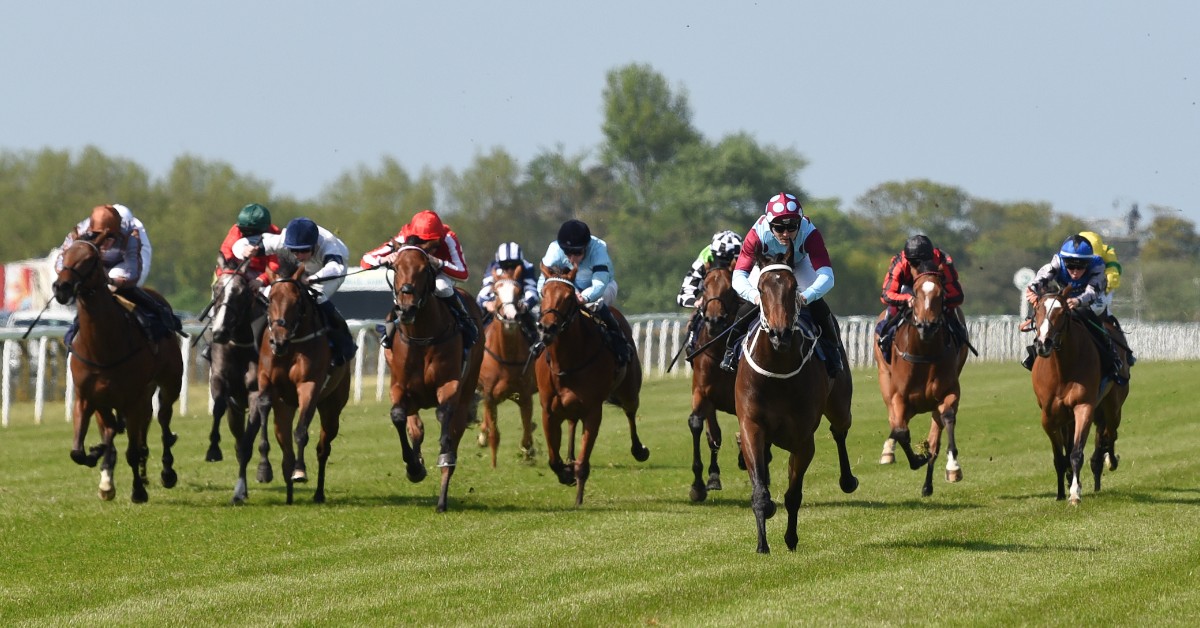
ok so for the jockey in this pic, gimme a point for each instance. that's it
(725, 247)
(125, 251)
(427, 231)
(323, 257)
(509, 257)
(782, 226)
(252, 222)
(1077, 266)
(595, 286)
(919, 256)
(1112, 273)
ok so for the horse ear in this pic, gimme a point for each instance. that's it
(760, 258)
(546, 272)
(790, 257)
(299, 272)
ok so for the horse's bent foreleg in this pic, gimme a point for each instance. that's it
(214, 435)
(167, 475)
(903, 438)
(846, 480)
(300, 472)
(489, 432)
(264, 474)
(950, 423)
(552, 427)
(699, 491)
(714, 447)
(414, 465)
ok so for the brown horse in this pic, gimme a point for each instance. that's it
(781, 392)
(505, 373)
(923, 377)
(712, 387)
(294, 373)
(116, 370)
(1071, 392)
(428, 369)
(233, 375)
(577, 373)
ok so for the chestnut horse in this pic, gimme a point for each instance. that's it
(712, 387)
(923, 377)
(1072, 394)
(780, 393)
(428, 370)
(505, 373)
(577, 373)
(116, 369)
(294, 373)
(233, 374)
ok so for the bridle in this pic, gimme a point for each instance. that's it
(563, 319)
(232, 285)
(1049, 332)
(302, 305)
(81, 278)
(924, 327)
(409, 312)
(778, 338)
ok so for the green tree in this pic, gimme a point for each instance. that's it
(645, 123)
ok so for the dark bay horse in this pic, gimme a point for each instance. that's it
(712, 387)
(116, 370)
(781, 391)
(577, 373)
(233, 375)
(923, 377)
(295, 374)
(428, 370)
(505, 373)
(1072, 394)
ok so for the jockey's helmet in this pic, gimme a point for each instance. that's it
(300, 235)
(574, 236)
(918, 249)
(1076, 252)
(254, 219)
(784, 207)
(104, 225)
(726, 245)
(427, 225)
(509, 255)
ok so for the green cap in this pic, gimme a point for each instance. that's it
(254, 216)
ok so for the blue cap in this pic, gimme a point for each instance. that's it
(300, 235)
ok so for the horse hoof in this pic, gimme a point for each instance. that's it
(927, 490)
(265, 475)
(169, 478)
(416, 473)
(139, 497)
(482, 439)
(1074, 500)
(714, 483)
(108, 494)
(887, 459)
(213, 455)
(769, 510)
(641, 455)
(698, 494)
(1111, 461)
(79, 457)
(849, 484)
(318, 498)
(918, 462)
(300, 476)
(954, 476)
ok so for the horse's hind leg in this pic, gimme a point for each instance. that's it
(903, 438)
(165, 410)
(489, 431)
(640, 452)
(840, 420)
(214, 435)
(245, 444)
(136, 453)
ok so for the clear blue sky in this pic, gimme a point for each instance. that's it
(1086, 105)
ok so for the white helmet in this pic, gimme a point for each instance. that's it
(726, 245)
(509, 252)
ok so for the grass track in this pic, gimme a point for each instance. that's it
(994, 549)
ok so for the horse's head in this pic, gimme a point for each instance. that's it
(233, 300)
(925, 313)
(1050, 317)
(718, 301)
(82, 271)
(414, 281)
(507, 285)
(560, 305)
(287, 307)
(779, 297)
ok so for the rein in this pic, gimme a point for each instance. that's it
(751, 341)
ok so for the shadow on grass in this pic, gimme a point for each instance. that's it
(983, 546)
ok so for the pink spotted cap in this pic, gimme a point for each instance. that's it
(783, 205)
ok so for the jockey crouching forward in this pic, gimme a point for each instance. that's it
(721, 253)
(784, 226)
(919, 256)
(595, 284)
(427, 232)
(323, 257)
(508, 259)
(125, 253)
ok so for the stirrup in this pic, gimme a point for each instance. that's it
(729, 361)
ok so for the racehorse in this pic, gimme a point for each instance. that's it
(576, 374)
(233, 375)
(1071, 392)
(428, 369)
(116, 370)
(923, 377)
(294, 373)
(780, 394)
(712, 387)
(505, 372)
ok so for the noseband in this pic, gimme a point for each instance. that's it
(565, 317)
(410, 289)
(82, 277)
(303, 303)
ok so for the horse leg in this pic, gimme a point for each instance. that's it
(1100, 448)
(949, 423)
(583, 467)
(552, 428)
(753, 447)
(489, 432)
(448, 438)
(698, 492)
(837, 410)
(525, 403)
(264, 474)
(889, 452)
(330, 424)
(414, 465)
(903, 438)
(136, 454)
(714, 446)
(166, 403)
(640, 452)
(797, 466)
(933, 442)
(1083, 424)
(300, 473)
(214, 435)
(245, 443)
(571, 444)
(106, 453)
(82, 415)
(283, 436)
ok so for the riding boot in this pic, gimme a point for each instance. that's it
(1028, 361)
(206, 352)
(387, 330)
(693, 329)
(884, 331)
(69, 336)
(339, 334)
(615, 336)
(528, 326)
(470, 332)
(734, 338)
(830, 345)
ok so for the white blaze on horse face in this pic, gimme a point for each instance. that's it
(507, 295)
(1044, 330)
(222, 312)
(928, 288)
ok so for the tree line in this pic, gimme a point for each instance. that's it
(655, 189)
